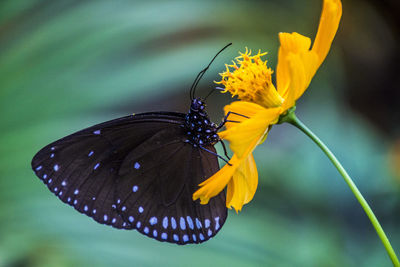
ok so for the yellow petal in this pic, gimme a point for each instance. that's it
(298, 77)
(328, 25)
(243, 185)
(290, 43)
(244, 108)
(216, 183)
(295, 48)
(250, 132)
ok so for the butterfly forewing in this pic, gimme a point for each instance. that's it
(136, 172)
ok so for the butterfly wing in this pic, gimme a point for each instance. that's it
(100, 172)
(159, 202)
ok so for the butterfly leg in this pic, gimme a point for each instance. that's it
(215, 154)
(224, 147)
(225, 120)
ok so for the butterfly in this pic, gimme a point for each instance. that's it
(140, 172)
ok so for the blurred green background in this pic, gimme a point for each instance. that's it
(66, 65)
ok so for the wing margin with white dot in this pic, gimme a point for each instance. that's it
(167, 212)
(86, 166)
(81, 169)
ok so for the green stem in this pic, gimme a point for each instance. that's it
(291, 118)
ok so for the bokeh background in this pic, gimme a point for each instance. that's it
(66, 65)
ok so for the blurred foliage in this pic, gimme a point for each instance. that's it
(66, 65)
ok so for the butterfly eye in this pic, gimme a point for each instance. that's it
(195, 105)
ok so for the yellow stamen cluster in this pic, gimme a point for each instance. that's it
(250, 80)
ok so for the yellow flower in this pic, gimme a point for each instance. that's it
(262, 103)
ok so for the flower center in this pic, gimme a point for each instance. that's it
(251, 81)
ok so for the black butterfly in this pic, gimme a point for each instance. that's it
(140, 172)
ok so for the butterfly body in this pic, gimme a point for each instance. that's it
(140, 172)
(199, 128)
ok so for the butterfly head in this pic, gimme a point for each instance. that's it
(197, 105)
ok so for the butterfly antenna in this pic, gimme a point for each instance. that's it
(213, 90)
(201, 73)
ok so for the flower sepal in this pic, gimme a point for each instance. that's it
(288, 116)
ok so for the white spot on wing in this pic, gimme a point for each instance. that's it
(182, 223)
(173, 223)
(165, 222)
(56, 167)
(190, 222)
(216, 223)
(153, 220)
(176, 237)
(135, 188)
(141, 209)
(201, 236)
(137, 165)
(96, 166)
(90, 153)
(198, 223)
(97, 132)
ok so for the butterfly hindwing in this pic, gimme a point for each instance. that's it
(157, 184)
(134, 172)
